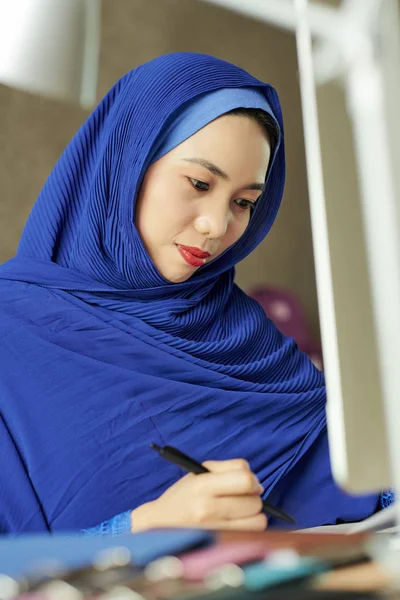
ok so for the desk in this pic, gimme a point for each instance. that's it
(143, 548)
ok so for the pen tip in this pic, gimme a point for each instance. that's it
(155, 447)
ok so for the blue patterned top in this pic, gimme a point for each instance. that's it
(387, 498)
(116, 526)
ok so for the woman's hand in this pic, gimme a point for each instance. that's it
(226, 498)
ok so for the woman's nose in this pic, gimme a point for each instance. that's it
(212, 222)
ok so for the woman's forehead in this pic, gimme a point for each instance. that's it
(228, 143)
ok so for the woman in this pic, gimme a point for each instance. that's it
(121, 324)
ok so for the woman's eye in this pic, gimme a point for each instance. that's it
(245, 204)
(201, 186)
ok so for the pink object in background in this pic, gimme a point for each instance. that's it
(283, 308)
(198, 564)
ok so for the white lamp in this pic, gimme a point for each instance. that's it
(51, 47)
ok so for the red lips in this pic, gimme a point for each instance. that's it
(193, 256)
(196, 251)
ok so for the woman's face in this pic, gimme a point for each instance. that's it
(196, 200)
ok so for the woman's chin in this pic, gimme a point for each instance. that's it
(179, 274)
(179, 278)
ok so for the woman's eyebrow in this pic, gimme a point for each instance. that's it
(208, 165)
(217, 171)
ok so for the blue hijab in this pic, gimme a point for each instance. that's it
(101, 355)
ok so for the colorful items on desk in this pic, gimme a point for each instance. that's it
(179, 565)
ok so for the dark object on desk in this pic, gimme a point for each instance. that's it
(294, 592)
(189, 464)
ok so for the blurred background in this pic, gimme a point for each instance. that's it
(35, 129)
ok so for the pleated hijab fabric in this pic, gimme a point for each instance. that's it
(100, 355)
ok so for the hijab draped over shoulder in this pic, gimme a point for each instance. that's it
(100, 355)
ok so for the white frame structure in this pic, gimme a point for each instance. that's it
(51, 47)
(358, 43)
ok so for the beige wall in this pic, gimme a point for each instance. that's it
(34, 131)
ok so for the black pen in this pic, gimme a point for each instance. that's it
(189, 464)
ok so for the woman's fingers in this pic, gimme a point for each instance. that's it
(229, 483)
(228, 497)
(231, 507)
(257, 523)
(220, 466)
(227, 508)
